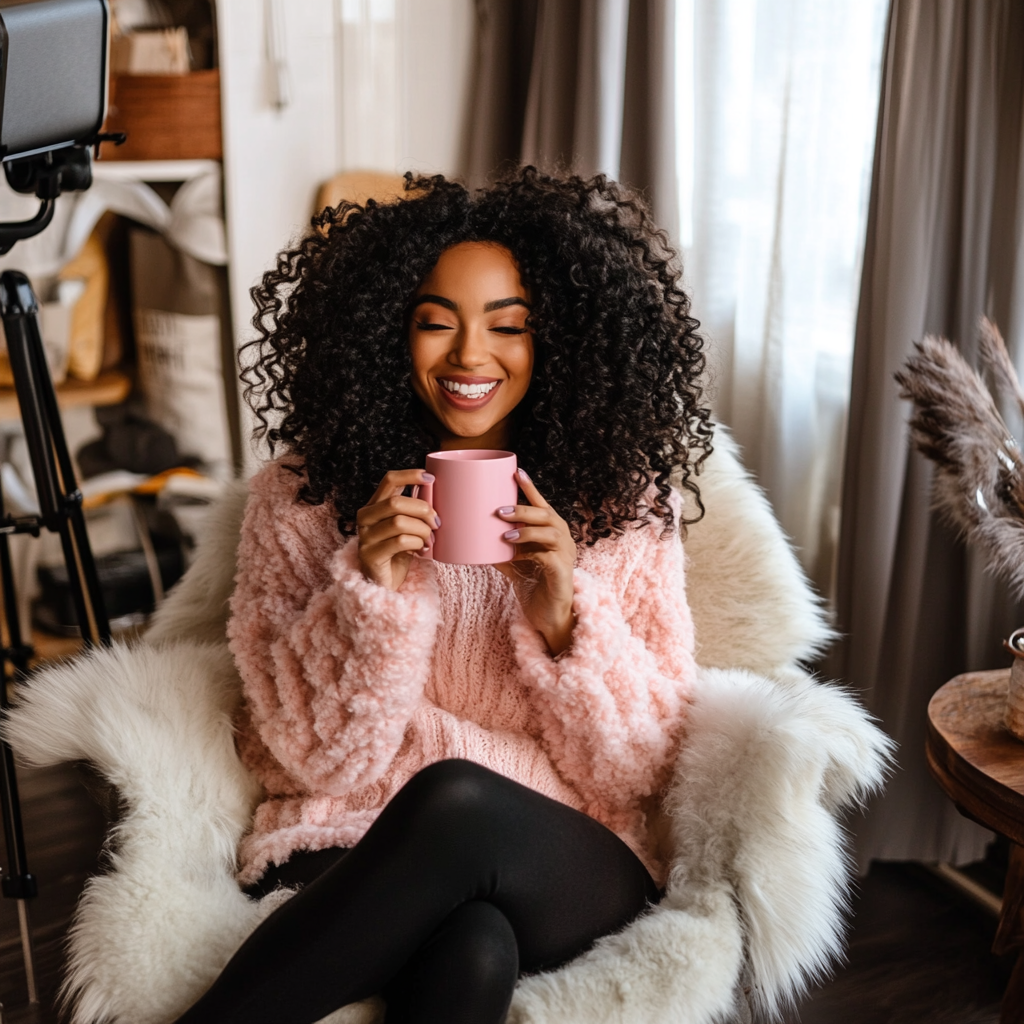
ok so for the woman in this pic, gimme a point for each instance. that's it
(458, 759)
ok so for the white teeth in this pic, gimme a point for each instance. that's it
(469, 390)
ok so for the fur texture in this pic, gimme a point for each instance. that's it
(196, 609)
(979, 467)
(815, 752)
(160, 923)
(758, 879)
(751, 604)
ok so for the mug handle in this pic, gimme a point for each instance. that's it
(428, 496)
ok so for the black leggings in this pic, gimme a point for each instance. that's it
(465, 879)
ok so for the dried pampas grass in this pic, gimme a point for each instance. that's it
(979, 477)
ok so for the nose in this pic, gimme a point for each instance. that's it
(469, 347)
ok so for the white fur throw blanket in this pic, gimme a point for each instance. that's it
(754, 908)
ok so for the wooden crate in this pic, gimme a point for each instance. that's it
(167, 117)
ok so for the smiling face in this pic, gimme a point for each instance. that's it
(472, 353)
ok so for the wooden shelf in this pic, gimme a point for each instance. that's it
(107, 389)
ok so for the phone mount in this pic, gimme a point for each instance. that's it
(45, 175)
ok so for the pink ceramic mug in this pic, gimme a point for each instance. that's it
(469, 486)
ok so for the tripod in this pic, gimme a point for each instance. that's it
(60, 501)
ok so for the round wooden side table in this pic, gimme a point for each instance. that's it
(980, 766)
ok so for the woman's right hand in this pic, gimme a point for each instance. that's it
(391, 528)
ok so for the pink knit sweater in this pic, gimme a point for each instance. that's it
(351, 688)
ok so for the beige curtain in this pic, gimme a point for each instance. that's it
(580, 85)
(945, 244)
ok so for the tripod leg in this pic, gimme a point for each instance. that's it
(60, 505)
(72, 498)
(20, 884)
(72, 553)
(19, 309)
(17, 651)
(60, 501)
(27, 953)
(91, 577)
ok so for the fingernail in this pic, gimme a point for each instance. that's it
(437, 520)
(511, 535)
(506, 510)
(524, 475)
(427, 478)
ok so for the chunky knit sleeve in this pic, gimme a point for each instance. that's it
(333, 666)
(611, 708)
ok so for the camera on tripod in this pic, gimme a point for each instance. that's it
(53, 100)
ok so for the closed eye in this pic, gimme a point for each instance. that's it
(510, 330)
(426, 326)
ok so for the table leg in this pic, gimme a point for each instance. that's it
(1010, 936)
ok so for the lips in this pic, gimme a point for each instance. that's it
(465, 378)
(464, 402)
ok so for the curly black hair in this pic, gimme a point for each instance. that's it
(615, 400)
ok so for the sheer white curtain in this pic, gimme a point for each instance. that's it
(777, 104)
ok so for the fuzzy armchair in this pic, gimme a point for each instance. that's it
(754, 908)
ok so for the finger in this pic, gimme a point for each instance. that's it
(378, 555)
(545, 537)
(396, 480)
(396, 505)
(531, 515)
(533, 496)
(396, 526)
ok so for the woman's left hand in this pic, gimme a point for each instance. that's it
(542, 569)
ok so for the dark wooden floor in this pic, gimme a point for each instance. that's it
(918, 951)
(918, 954)
(64, 830)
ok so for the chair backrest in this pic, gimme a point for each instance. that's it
(752, 605)
(358, 186)
(197, 606)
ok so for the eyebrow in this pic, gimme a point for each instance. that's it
(440, 300)
(512, 300)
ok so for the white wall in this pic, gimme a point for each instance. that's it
(404, 76)
(274, 159)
